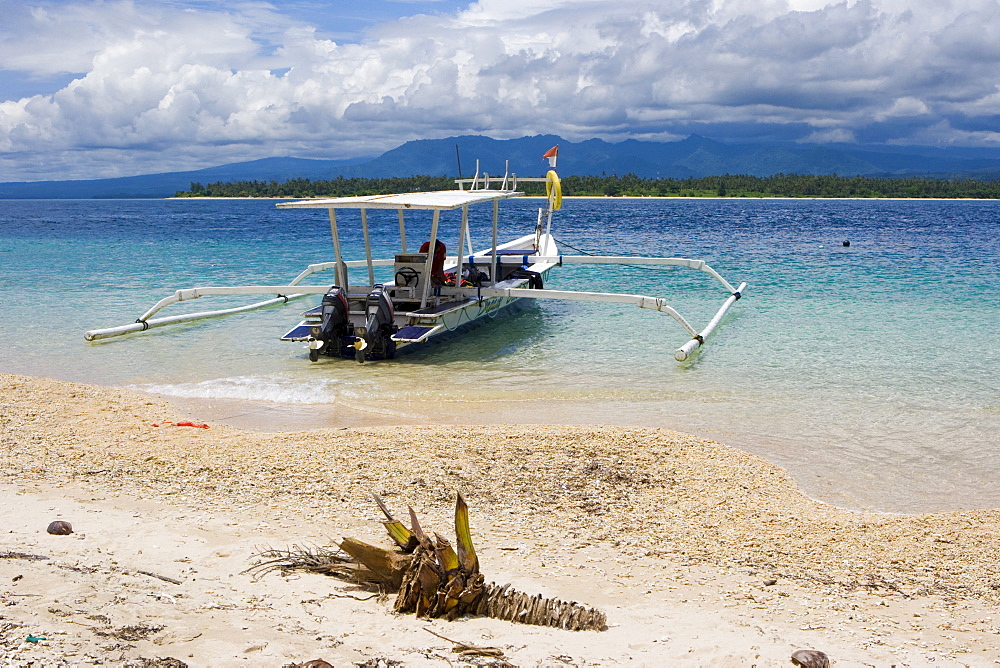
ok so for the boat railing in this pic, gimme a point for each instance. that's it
(506, 184)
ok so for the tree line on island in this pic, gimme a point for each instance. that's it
(629, 185)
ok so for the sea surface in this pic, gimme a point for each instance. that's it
(870, 371)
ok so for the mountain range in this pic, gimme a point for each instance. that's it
(692, 157)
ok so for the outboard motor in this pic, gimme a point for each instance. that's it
(334, 326)
(376, 341)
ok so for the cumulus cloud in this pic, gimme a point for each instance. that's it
(164, 86)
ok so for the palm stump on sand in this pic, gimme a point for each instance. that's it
(435, 580)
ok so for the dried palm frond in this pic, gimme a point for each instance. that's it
(312, 559)
(431, 578)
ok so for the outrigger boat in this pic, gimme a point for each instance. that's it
(431, 294)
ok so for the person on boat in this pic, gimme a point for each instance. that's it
(437, 265)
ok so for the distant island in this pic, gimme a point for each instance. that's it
(689, 167)
(629, 185)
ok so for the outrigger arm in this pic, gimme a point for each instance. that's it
(295, 290)
(642, 301)
(700, 265)
(285, 293)
(144, 322)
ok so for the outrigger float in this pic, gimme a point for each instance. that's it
(432, 294)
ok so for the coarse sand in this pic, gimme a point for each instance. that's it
(699, 553)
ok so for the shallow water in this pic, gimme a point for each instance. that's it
(868, 371)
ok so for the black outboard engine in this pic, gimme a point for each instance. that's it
(379, 327)
(334, 326)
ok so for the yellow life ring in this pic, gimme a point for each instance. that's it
(553, 190)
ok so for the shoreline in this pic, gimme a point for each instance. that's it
(671, 197)
(670, 534)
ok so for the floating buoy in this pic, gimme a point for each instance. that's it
(846, 244)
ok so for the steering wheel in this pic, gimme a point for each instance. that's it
(408, 275)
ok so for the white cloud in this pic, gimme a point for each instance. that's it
(903, 107)
(943, 134)
(53, 37)
(834, 135)
(163, 86)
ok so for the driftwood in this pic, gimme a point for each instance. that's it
(160, 577)
(434, 579)
(22, 555)
(466, 649)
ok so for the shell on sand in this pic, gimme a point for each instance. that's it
(810, 658)
(60, 528)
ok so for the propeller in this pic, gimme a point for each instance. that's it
(359, 346)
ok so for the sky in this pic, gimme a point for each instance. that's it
(103, 88)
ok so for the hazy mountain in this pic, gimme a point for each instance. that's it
(165, 185)
(691, 157)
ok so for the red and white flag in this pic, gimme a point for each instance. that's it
(552, 154)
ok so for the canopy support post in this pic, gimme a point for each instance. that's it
(462, 231)
(341, 270)
(493, 252)
(468, 233)
(429, 263)
(402, 232)
(368, 247)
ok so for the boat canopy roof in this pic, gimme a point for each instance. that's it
(440, 200)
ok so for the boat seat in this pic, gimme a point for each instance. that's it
(301, 332)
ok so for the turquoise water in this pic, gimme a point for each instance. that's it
(869, 371)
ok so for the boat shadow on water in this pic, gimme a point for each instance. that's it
(522, 329)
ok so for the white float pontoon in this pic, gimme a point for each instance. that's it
(432, 294)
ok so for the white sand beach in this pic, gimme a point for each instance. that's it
(699, 553)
